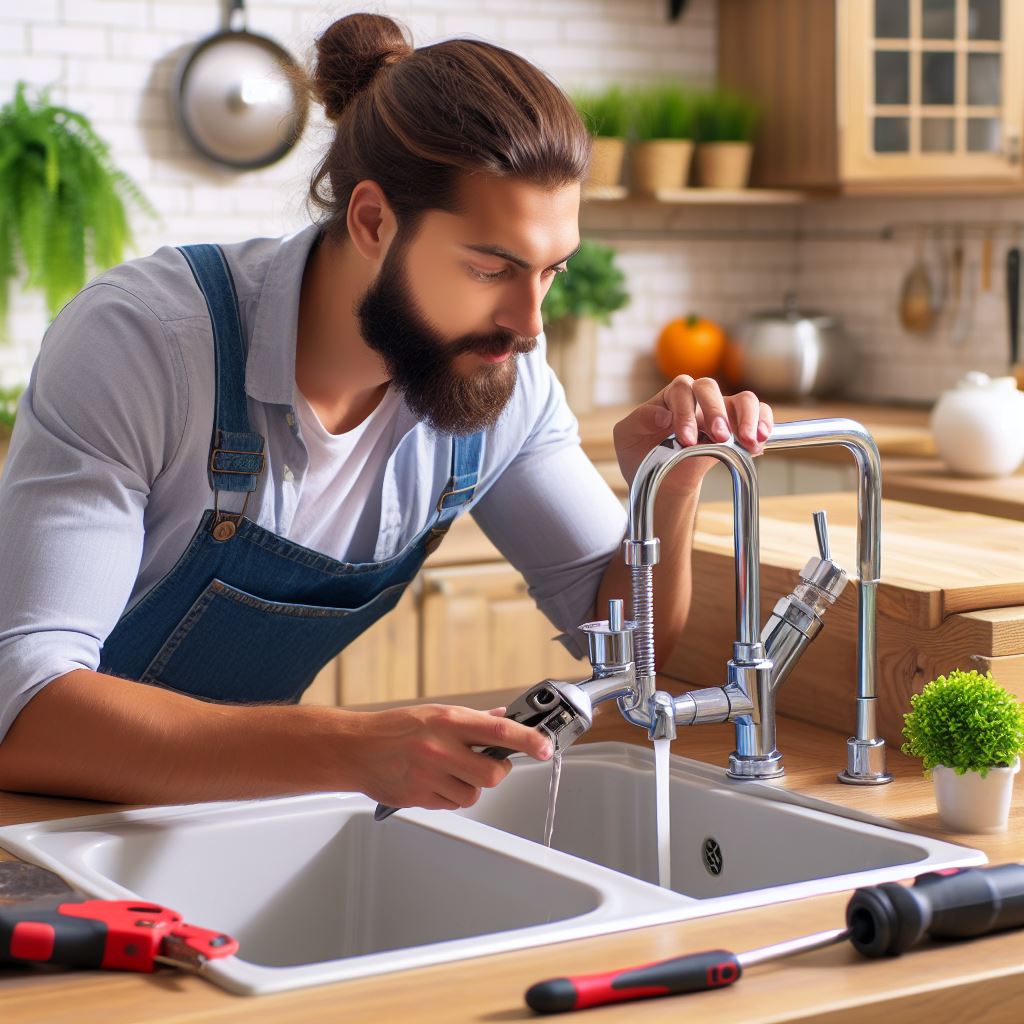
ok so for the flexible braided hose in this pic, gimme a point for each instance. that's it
(642, 579)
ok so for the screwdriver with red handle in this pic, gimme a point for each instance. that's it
(120, 935)
(881, 920)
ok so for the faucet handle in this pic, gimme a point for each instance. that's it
(610, 641)
(821, 532)
(822, 572)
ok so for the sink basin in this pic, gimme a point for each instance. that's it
(316, 891)
(728, 838)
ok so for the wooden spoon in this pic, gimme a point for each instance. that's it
(917, 302)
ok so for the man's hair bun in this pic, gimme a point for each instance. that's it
(350, 53)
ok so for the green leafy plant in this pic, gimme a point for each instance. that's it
(965, 721)
(62, 200)
(725, 116)
(593, 286)
(8, 404)
(605, 113)
(665, 111)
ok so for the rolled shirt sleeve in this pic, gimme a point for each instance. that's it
(102, 416)
(553, 516)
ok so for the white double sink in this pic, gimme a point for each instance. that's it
(316, 891)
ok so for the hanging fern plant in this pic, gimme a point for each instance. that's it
(62, 200)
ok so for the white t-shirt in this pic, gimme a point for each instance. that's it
(338, 509)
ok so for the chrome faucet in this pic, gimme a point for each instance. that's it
(623, 652)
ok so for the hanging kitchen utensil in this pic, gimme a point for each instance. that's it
(938, 264)
(1013, 305)
(238, 96)
(917, 299)
(966, 303)
(956, 277)
(988, 311)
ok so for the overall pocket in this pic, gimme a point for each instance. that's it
(239, 647)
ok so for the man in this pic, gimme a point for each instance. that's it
(231, 461)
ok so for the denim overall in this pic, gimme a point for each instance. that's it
(244, 615)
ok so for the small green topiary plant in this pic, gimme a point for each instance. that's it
(965, 721)
(593, 286)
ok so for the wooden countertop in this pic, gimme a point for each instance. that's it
(926, 481)
(982, 981)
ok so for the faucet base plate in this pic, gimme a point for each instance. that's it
(755, 768)
(864, 780)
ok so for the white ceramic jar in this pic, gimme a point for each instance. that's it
(978, 426)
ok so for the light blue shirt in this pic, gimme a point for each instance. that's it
(106, 477)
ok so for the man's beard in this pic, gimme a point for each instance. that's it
(421, 362)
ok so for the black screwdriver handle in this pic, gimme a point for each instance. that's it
(889, 919)
(695, 973)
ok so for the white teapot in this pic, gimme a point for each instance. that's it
(978, 426)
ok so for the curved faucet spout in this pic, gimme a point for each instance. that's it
(866, 760)
(641, 548)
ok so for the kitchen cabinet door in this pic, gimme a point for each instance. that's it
(874, 93)
(930, 89)
(480, 630)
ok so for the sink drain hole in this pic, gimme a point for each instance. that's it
(712, 853)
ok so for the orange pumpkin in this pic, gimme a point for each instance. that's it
(732, 364)
(690, 345)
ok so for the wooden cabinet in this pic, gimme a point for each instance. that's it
(879, 92)
(382, 664)
(461, 627)
(482, 631)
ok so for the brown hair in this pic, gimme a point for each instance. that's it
(414, 120)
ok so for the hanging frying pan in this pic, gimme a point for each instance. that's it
(235, 97)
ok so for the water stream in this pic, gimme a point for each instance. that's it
(663, 819)
(556, 777)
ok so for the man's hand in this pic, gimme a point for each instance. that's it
(422, 757)
(687, 407)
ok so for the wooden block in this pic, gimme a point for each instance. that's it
(935, 563)
(921, 633)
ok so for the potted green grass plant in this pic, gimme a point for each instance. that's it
(725, 124)
(969, 733)
(586, 295)
(606, 115)
(662, 116)
(62, 200)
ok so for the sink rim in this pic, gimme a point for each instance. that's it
(625, 903)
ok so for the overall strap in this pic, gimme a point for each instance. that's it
(460, 487)
(236, 453)
(465, 472)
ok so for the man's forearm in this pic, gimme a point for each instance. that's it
(674, 517)
(100, 737)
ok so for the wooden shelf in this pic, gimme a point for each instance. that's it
(698, 195)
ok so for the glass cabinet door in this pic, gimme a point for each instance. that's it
(930, 88)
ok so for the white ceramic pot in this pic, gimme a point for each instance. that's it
(978, 426)
(970, 803)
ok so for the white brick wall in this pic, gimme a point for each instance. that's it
(862, 281)
(113, 60)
